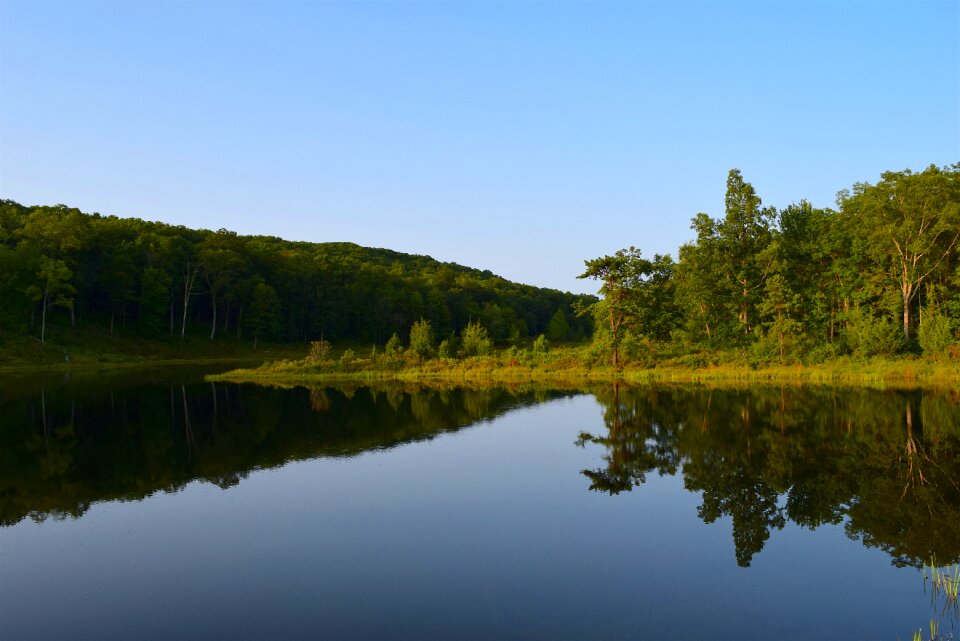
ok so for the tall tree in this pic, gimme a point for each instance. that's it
(913, 224)
(620, 276)
(53, 288)
(743, 234)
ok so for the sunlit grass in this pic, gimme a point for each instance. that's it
(580, 364)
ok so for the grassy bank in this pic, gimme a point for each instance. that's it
(95, 349)
(566, 366)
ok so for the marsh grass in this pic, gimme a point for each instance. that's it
(580, 365)
(944, 584)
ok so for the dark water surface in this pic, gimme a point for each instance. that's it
(157, 506)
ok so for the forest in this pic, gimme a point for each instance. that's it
(877, 276)
(65, 269)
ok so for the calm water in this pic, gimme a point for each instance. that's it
(158, 506)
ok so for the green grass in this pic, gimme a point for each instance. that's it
(92, 348)
(576, 365)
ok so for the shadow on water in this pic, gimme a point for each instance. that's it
(883, 463)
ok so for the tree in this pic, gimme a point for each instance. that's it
(913, 224)
(621, 275)
(475, 340)
(421, 339)
(558, 328)
(264, 311)
(743, 234)
(221, 267)
(52, 288)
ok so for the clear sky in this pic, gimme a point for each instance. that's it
(517, 137)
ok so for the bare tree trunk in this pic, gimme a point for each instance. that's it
(213, 325)
(188, 277)
(906, 289)
(43, 319)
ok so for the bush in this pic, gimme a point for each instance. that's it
(421, 339)
(935, 334)
(393, 347)
(540, 346)
(444, 351)
(318, 351)
(869, 336)
(475, 340)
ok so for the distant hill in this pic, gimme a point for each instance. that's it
(129, 276)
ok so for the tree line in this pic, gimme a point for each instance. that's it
(878, 275)
(133, 277)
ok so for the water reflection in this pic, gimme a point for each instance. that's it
(69, 443)
(883, 463)
(886, 463)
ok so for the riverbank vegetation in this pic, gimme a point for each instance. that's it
(797, 291)
(866, 293)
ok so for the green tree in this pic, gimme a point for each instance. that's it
(558, 328)
(421, 339)
(264, 312)
(743, 234)
(620, 275)
(475, 340)
(912, 222)
(52, 288)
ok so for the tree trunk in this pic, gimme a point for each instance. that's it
(906, 289)
(188, 278)
(43, 319)
(213, 325)
(614, 326)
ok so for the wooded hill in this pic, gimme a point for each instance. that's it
(128, 276)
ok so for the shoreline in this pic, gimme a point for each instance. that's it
(887, 373)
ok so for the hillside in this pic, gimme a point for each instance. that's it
(64, 271)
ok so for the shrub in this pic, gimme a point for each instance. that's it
(393, 347)
(318, 351)
(540, 346)
(421, 339)
(476, 340)
(444, 351)
(870, 336)
(935, 334)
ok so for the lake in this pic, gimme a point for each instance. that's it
(153, 505)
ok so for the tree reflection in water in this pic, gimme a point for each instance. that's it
(886, 462)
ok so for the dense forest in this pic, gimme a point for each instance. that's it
(878, 275)
(59, 266)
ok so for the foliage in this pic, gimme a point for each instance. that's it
(558, 329)
(475, 340)
(421, 339)
(140, 278)
(936, 333)
(874, 336)
(393, 347)
(318, 351)
(444, 350)
(540, 346)
(800, 284)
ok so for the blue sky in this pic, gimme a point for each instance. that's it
(517, 137)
